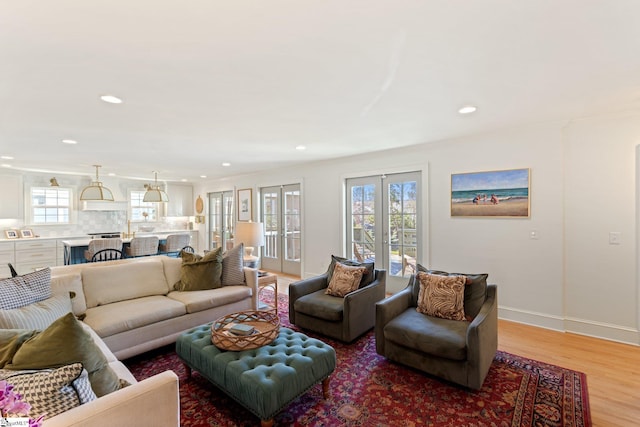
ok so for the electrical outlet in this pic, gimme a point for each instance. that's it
(533, 235)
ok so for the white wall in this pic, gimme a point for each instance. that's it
(582, 187)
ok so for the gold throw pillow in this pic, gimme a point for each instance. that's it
(345, 279)
(441, 296)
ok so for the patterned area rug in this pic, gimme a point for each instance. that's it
(368, 390)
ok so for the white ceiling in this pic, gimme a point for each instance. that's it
(246, 81)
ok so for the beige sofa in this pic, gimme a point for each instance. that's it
(129, 307)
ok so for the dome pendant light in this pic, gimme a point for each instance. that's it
(95, 191)
(154, 194)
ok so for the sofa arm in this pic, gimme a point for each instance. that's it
(388, 309)
(482, 338)
(304, 287)
(154, 401)
(251, 279)
(360, 305)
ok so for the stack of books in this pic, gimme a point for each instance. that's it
(241, 329)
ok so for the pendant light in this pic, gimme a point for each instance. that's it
(96, 191)
(154, 193)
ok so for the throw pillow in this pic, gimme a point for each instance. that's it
(62, 343)
(10, 342)
(367, 277)
(345, 279)
(233, 266)
(199, 273)
(51, 391)
(474, 293)
(441, 296)
(38, 315)
(24, 290)
(71, 283)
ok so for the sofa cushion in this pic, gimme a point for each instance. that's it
(51, 391)
(441, 296)
(110, 319)
(38, 315)
(474, 293)
(432, 335)
(367, 276)
(113, 283)
(71, 283)
(198, 273)
(203, 300)
(23, 290)
(10, 342)
(62, 343)
(172, 269)
(345, 279)
(233, 266)
(319, 304)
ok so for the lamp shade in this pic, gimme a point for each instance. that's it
(250, 233)
(154, 194)
(96, 191)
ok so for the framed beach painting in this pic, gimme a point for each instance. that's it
(503, 193)
(244, 205)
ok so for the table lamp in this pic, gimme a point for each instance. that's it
(252, 235)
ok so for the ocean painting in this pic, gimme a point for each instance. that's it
(491, 194)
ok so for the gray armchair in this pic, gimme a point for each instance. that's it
(457, 351)
(344, 319)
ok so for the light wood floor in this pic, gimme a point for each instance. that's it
(613, 369)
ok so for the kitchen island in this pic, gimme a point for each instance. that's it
(74, 248)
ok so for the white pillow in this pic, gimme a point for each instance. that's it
(38, 315)
(233, 266)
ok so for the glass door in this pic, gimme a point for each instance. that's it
(221, 220)
(281, 216)
(384, 224)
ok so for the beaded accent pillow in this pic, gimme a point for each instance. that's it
(345, 279)
(441, 296)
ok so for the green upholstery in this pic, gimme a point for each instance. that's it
(266, 379)
(457, 351)
(344, 319)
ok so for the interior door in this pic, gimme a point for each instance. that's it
(384, 224)
(221, 220)
(281, 216)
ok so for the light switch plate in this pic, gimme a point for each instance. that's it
(614, 237)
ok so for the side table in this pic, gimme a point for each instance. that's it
(266, 281)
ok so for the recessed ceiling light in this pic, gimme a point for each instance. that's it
(203, 176)
(301, 148)
(6, 157)
(5, 165)
(184, 180)
(226, 164)
(111, 99)
(111, 174)
(69, 141)
(467, 109)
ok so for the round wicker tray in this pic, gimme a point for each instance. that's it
(265, 323)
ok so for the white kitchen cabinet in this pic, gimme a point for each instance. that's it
(11, 197)
(6, 257)
(180, 200)
(32, 255)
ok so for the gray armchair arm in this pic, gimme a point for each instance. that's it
(388, 309)
(304, 287)
(482, 338)
(360, 305)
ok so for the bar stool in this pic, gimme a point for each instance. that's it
(174, 243)
(143, 246)
(99, 244)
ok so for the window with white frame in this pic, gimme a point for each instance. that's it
(141, 210)
(50, 205)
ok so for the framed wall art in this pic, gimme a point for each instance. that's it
(503, 193)
(26, 232)
(244, 204)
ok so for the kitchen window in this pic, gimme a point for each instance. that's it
(50, 205)
(141, 210)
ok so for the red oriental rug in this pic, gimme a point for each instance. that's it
(368, 390)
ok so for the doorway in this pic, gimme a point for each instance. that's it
(281, 213)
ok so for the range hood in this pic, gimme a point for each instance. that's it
(120, 202)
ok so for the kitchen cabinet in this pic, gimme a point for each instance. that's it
(180, 200)
(11, 197)
(32, 255)
(6, 257)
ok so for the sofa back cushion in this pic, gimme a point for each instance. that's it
(113, 283)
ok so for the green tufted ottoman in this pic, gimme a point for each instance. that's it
(266, 379)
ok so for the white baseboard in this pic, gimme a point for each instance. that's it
(577, 326)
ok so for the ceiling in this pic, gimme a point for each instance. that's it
(245, 82)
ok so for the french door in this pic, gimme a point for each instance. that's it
(384, 223)
(221, 220)
(281, 215)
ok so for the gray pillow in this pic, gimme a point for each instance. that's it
(38, 315)
(24, 290)
(233, 266)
